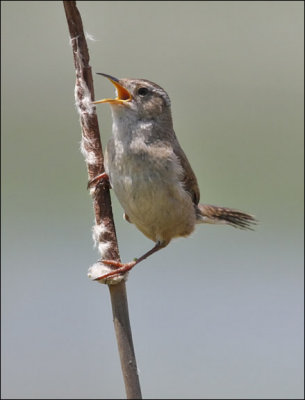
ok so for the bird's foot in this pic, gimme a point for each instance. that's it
(98, 179)
(121, 268)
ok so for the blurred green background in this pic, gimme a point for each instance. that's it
(217, 315)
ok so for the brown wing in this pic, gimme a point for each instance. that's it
(189, 179)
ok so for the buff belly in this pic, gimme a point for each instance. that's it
(158, 206)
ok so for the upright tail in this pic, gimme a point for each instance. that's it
(221, 215)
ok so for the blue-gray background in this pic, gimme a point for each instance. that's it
(218, 315)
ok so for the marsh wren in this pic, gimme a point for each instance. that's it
(149, 172)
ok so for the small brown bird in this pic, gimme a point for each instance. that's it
(149, 172)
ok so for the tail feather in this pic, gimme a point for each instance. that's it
(221, 215)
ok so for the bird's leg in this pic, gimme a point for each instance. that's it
(97, 179)
(122, 268)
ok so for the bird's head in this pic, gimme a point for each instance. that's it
(141, 97)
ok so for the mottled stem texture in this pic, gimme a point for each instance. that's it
(92, 150)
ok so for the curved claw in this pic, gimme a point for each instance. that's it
(97, 179)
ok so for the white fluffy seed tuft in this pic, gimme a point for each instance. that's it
(97, 235)
(90, 156)
(103, 248)
(97, 231)
(89, 36)
(83, 104)
(82, 94)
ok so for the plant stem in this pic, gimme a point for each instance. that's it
(124, 340)
(92, 149)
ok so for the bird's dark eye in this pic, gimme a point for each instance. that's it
(142, 91)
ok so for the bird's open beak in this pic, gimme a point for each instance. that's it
(123, 94)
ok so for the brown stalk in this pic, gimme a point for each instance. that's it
(101, 200)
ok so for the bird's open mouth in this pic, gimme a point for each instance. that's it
(123, 94)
